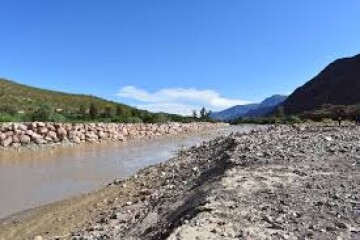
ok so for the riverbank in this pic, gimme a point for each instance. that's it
(282, 182)
(39, 177)
(35, 135)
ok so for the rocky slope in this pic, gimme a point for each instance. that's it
(249, 110)
(279, 183)
(337, 84)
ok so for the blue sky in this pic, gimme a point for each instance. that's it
(175, 55)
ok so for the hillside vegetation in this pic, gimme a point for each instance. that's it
(19, 102)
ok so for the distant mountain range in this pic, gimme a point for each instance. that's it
(337, 84)
(249, 110)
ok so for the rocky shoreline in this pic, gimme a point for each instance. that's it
(281, 182)
(35, 135)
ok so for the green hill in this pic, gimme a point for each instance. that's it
(26, 98)
(19, 102)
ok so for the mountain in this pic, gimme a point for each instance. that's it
(233, 112)
(249, 110)
(267, 106)
(337, 84)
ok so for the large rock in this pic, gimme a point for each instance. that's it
(77, 140)
(6, 142)
(15, 139)
(22, 127)
(43, 130)
(24, 139)
(41, 124)
(62, 133)
(29, 132)
(52, 134)
(2, 136)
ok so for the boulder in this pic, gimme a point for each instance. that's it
(52, 134)
(6, 142)
(2, 136)
(43, 130)
(77, 140)
(39, 141)
(15, 139)
(29, 132)
(22, 127)
(62, 133)
(101, 135)
(24, 139)
(125, 131)
(72, 134)
(41, 124)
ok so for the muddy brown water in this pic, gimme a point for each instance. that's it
(33, 178)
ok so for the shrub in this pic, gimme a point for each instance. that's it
(44, 113)
(6, 118)
(7, 109)
(93, 111)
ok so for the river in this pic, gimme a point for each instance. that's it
(30, 179)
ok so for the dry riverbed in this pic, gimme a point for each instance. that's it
(276, 183)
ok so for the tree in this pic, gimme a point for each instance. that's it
(7, 109)
(93, 111)
(203, 113)
(119, 111)
(82, 110)
(108, 111)
(194, 113)
(44, 113)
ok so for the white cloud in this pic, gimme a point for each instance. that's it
(175, 108)
(177, 100)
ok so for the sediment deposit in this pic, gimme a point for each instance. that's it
(282, 183)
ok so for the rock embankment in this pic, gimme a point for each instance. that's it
(279, 183)
(16, 135)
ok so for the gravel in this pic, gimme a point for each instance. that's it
(279, 182)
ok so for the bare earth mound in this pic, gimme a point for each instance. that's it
(279, 183)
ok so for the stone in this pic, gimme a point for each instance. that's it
(24, 139)
(38, 238)
(16, 139)
(62, 133)
(52, 134)
(39, 141)
(6, 142)
(29, 132)
(22, 127)
(41, 124)
(77, 140)
(125, 131)
(71, 134)
(2, 136)
(43, 130)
